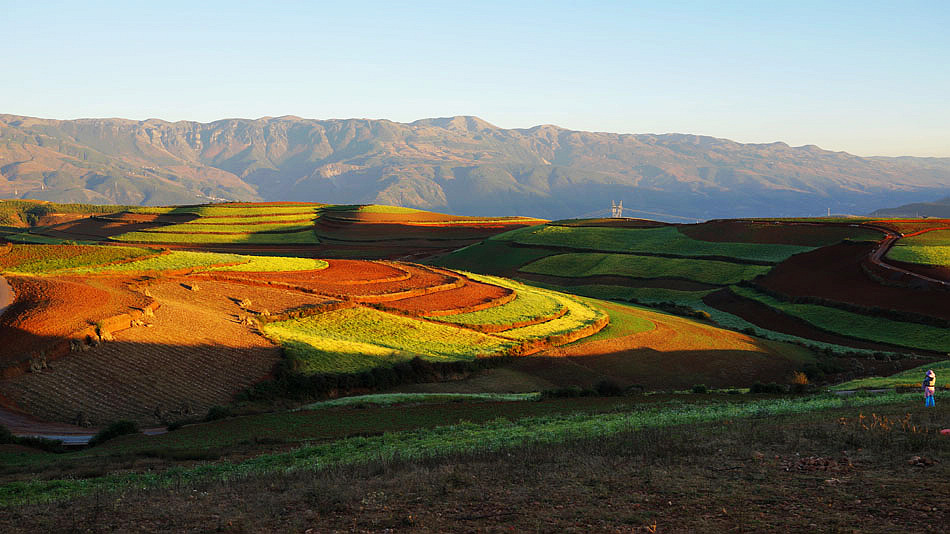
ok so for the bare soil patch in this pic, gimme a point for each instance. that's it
(766, 232)
(194, 356)
(835, 273)
(766, 317)
(470, 297)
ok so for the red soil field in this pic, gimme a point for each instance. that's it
(194, 356)
(835, 273)
(48, 310)
(343, 278)
(785, 233)
(677, 353)
(911, 226)
(345, 230)
(939, 272)
(104, 227)
(761, 315)
(470, 297)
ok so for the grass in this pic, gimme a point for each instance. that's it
(911, 376)
(391, 399)
(377, 208)
(639, 294)
(663, 240)
(307, 237)
(464, 438)
(237, 228)
(579, 265)
(504, 258)
(929, 248)
(922, 254)
(624, 321)
(529, 304)
(579, 315)
(273, 264)
(250, 220)
(35, 259)
(358, 339)
(175, 260)
(904, 334)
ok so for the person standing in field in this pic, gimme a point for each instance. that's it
(929, 385)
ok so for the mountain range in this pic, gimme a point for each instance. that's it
(461, 165)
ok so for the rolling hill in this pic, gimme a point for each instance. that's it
(458, 165)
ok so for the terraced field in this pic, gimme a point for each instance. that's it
(579, 265)
(929, 248)
(860, 326)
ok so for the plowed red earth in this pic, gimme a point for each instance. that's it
(939, 272)
(338, 278)
(835, 273)
(196, 355)
(768, 232)
(345, 230)
(47, 310)
(102, 228)
(761, 315)
(470, 295)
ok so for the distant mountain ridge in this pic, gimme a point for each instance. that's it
(939, 209)
(460, 165)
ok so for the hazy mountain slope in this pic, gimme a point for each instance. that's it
(940, 209)
(460, 165)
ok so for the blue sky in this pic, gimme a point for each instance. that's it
(865, 77)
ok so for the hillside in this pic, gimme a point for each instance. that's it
(458, 165)
(939, 208)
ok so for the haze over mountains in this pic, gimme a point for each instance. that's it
(460, 165)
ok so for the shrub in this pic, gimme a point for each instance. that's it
(700, 388)
(608, 388)
(772, 387)
(218, 412)
(800, 378)
(116, 429)
(6, 436)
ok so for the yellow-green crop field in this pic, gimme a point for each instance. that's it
(358, 339)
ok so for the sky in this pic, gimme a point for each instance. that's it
(870, 78)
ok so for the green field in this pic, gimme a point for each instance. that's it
(175, 260)
(358, 339)
(34, 259)
(664, 240)
(237, 228)
(579, 264)
(905, 334)
(463, 438)
(503, 257)
(929, 248)
(579, 315)
(306, 237)
(224, 210)
(913, 377)
(274, 264)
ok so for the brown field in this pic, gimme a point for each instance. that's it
(196, 354)
(471, 296)
(835, 273)
(766, 232)
(48, 311)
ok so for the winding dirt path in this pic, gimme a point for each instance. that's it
(877, 257)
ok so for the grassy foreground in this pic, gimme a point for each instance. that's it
(465, 438)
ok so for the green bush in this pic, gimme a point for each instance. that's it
(218, 412)
(700, 388)
(116, 429)
(608, 388)
(771, 387)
